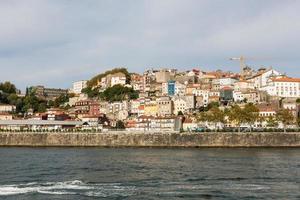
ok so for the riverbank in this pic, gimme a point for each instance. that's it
(155, 139)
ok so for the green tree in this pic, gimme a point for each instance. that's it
(120, 125)
(236, 114)
(271, 122)
(251, 114)
(8, 87)
(180, 113)
(286, 117)
(215, 115)
(118, 93)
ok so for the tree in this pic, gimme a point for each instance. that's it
(8, 87)
(91, 92)
(286, 117)
(201, 117)
(251, 114)
(216, 116)
(236, 114)
(118, 93)
(180, 113)
(120, 125)
(271, 122)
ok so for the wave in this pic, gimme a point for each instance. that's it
(75, 187)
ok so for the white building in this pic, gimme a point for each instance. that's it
(180, 89)
(78, 86)
(261, 79)
(179, 105)
(4, 108)
(283, 87)
(226, 82)
(118, 79)
(243, 85)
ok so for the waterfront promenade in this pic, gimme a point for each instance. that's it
(151, 139)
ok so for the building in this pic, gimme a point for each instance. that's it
(6, 108)
(151, 123)
(261, 79)
(38, 125)
(6, 116)
(113, 79)
(171, 88)
(78, 86)
(165, 106)
(180, 89)
(117, 79)
(163, 76)
(179, 105)
(151, 108)
(48, 93)
(87, 108)
(283, 87)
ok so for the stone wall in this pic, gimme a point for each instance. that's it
(117, 139)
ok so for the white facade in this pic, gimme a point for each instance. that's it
(78, 86)
(180, 89)
(118, 80)
(262, 79)
(179, 105)
(283, 87)
(226, 82)
(7, 108)
(243, 85)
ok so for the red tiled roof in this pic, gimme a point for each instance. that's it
(286, 79)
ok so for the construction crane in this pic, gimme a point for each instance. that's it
(242, 62)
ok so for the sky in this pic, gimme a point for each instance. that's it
(57, 42)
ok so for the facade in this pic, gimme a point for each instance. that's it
(283, 87)
(165, 106)
(151, 108)
(163, 76)
(78, 86)
(48, 93)
(171, 88)
(87, 108)
(6, 108)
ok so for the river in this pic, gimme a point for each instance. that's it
(149, 173)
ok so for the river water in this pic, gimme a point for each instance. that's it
(138, 173)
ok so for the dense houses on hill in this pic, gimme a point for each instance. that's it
(169, 99)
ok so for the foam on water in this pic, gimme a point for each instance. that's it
(75, 187)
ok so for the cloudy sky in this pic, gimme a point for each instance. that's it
(56, 42)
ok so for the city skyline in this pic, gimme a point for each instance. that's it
(62, 42)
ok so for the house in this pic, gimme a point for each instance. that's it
(189, 124)
(87, 107)
(263, 76)
(78, 86)
(283, 87)
(151, 123)
(6, 108)
(6, 116)
(151, 108)
(165, 106)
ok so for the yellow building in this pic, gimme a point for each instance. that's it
(151, 109)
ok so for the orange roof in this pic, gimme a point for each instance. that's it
(286, 79)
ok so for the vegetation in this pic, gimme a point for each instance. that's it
(120, 125)
(250, 114)
(8, 95)
(236, 114)
(93, 82)
(118, 93)
(286, 117)
(91, 92)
